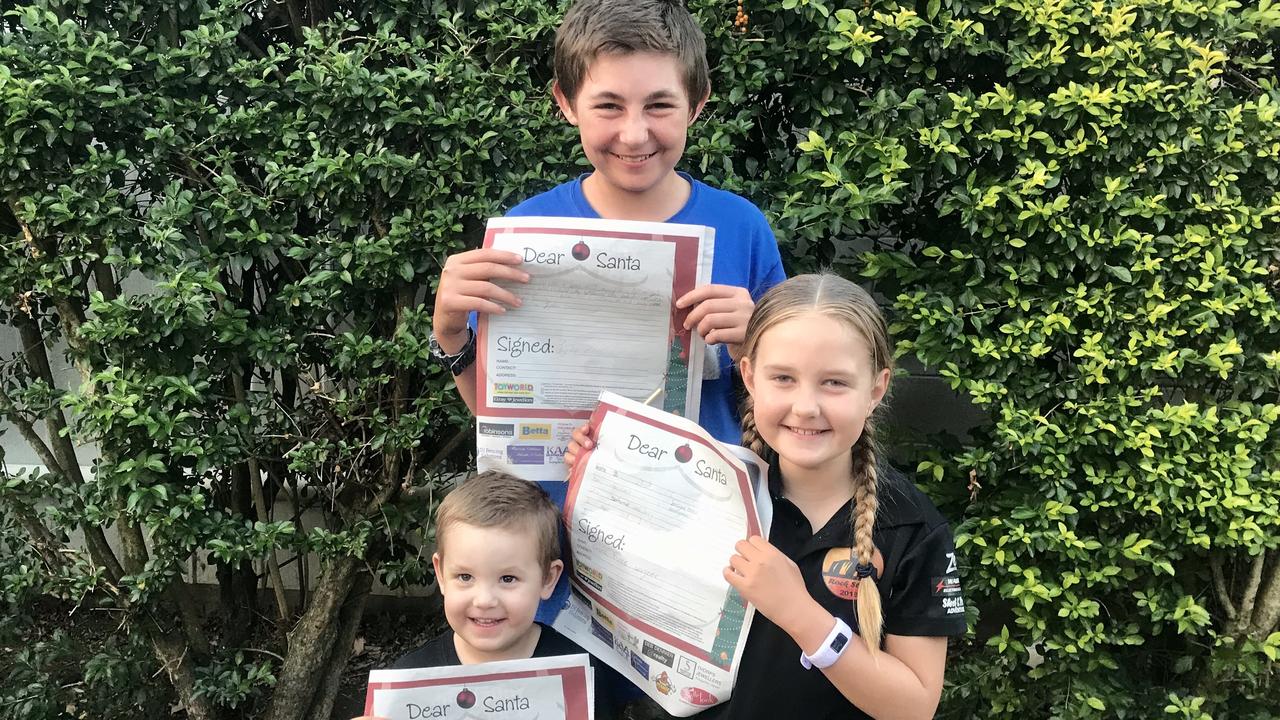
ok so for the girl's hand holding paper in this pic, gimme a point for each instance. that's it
(766, 577)
(581, 443)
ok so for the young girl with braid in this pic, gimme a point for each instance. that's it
(856, 588)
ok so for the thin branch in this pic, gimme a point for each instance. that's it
(273, 565)
(264, 652)
(134, 554)
(418, 493)
(42, 540)
(9, 410)
(1220, 587)
(71, 315)
(259, 497)
(27, 235)
(1247, 80)
(399, 401)
(261, 510)
(447, 449)
(102, 274)
(295, 19)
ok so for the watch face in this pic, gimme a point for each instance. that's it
(838, 643)
(434, 347)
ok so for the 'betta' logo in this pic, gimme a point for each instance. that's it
(466, 699)
(684, 453)
(580, 251)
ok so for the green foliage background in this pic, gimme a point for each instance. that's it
(231, 215)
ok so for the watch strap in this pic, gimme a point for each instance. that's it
(457, 362)
(829, 652)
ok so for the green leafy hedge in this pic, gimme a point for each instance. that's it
(231, 215)
(1074, 207)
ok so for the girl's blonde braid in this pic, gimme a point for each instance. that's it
(864, 519)
(751, 439)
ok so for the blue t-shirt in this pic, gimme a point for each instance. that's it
(746, 255)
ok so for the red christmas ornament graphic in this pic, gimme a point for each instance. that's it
(466, 699)
(581, 251)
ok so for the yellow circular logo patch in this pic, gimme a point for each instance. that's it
(839, 573)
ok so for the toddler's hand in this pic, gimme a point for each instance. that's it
(467, 285)
(720, 314)
(580, 443)
(767, 578)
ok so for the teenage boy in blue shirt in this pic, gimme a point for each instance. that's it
(632, 76)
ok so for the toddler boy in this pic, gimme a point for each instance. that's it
(497, 556)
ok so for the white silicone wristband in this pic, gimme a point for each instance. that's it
(831, 649)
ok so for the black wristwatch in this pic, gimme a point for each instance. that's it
(459, 361)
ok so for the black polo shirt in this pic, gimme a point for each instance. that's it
(919, 589)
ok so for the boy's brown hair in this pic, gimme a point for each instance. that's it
(496, 499)
(594, 27)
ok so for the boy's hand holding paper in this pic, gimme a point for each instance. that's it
(719, 314)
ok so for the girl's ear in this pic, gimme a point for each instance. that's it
(553, 575)
(564, 102)
(881, 387)
(748, 374)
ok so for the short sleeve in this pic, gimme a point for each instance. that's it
(767, 270)
(926, 598)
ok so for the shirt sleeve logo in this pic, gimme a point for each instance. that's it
(946, 585)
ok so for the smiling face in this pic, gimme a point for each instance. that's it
(633, 114)
(492, 581)
(812, 388)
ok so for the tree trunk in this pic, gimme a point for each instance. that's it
(350, 618)
(175, 650)
(313, 644)
(175, 657)
(1266, 612)
(238, 599)
(64, 454)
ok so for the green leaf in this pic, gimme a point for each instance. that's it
(1120, 273)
